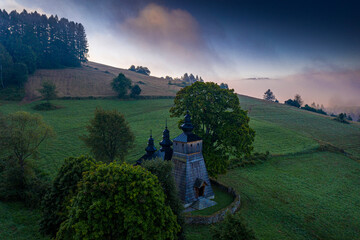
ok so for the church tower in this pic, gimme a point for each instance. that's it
(190, 172)
(150, 151)
(166, 144)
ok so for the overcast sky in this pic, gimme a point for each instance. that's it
(306, 47)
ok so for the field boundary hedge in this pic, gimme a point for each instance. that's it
(219, 215)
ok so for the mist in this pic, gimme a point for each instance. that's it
(239, 43)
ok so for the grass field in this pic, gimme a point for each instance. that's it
(300, 193)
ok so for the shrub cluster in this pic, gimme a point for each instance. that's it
(312, 109)
(121, 84)
(163, 170)
(233, 227)
(64, 187)
(114, 201)
(28, 188)
(140, 69)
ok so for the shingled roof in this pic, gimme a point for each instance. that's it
(187, 137)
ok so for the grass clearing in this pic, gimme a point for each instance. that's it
(279, 140)
(19, 222)
(70, 121)
(305, 123)
(300, 193)
(307, 196)
(222, 198)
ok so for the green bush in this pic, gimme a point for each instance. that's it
(163, 170)
(21, 134)
(342, 118)
(45, 107)
(64, 187)
(12, 93)
(233, 228)
(119, 202)
(29, 189)
(135, 91)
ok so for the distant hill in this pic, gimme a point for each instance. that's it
(93, 79)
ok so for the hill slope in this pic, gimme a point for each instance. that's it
(93, 79)
(304, 191)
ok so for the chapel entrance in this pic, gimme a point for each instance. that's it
(199, 187)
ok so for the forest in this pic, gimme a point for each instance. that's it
(29, 41)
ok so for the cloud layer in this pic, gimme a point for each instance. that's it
(173, 33)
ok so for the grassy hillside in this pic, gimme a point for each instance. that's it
(305, 191)
(93, 79)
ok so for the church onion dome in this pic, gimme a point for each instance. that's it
(166, 142)
(187, 126)
(187, 135)
(150, 149)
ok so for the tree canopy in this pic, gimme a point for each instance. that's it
(121, 84)
(298, 99)
(38, 41)
(119, 202)
(48, 91)
(135, 91)
(43, 42)
(296, 102)
(163, 169)
(64, 187)
(218, 120)
(269, 96)
(313, 109)
(23, 135)
(110, 137)
(140, 69)
(224, 86)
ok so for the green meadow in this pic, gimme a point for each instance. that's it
(309, 189)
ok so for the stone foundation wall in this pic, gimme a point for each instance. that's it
(219, 215)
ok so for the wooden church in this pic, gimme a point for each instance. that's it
(189, 171)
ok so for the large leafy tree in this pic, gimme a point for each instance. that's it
(64, 187)
(163, 169)
(219, 121)
(121, 85)
(119, 202)
(109, 136)
(22, 137)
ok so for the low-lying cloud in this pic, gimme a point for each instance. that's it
(332, 86)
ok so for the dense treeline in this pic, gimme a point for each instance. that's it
(188, 78)
(29, 41)
(314, 109)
